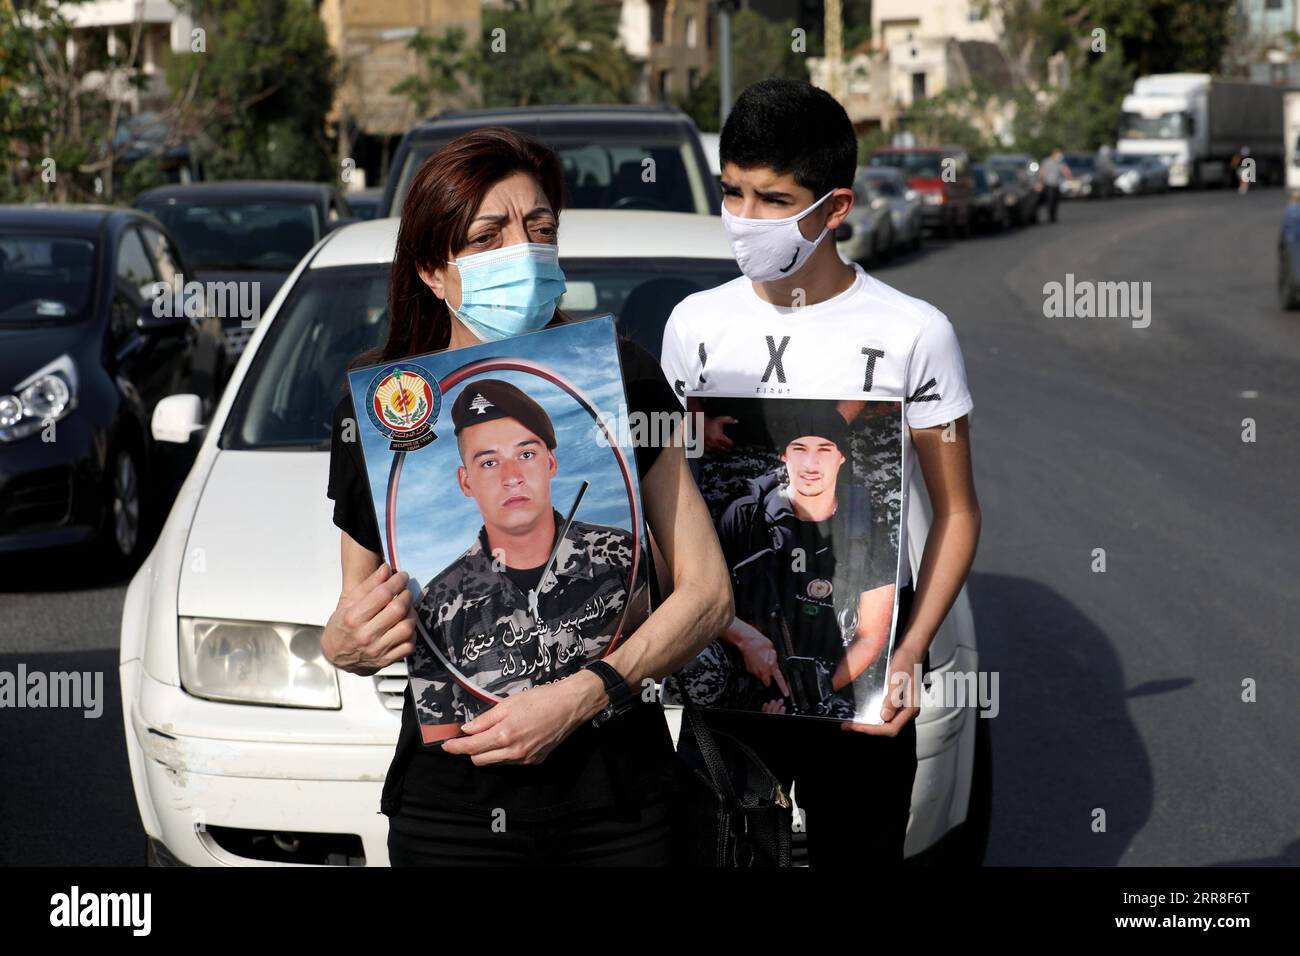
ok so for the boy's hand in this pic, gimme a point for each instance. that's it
(715, 433)
(901, 698)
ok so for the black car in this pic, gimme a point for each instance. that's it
(245, 237)
(1023, 200)
(989, 204)
(603, 150)
(1288, 259)
(92, 336)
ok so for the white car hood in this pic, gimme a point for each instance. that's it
(263, 545)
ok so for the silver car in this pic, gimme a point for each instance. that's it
(904, 204)
(867, 235)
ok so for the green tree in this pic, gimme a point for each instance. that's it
(553, 51)
(259, 87)
(55, 129)
(761, 49)
(444, 67)
(945, 118)
(1082, 117)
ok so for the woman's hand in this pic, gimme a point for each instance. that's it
(372, 626)
(525, 727)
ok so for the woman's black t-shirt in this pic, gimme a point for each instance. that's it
(627, 762)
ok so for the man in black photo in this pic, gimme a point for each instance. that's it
(814, 579)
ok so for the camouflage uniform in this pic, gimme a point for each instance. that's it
(505, 640)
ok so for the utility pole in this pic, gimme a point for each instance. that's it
(833, 28)
(725, 9)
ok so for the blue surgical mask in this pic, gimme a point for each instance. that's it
(511, 290)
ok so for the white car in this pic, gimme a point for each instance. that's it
(247, 747)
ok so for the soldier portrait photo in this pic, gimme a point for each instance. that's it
(805, 506)
(516, 517)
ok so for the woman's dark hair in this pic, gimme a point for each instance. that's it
(443, 199)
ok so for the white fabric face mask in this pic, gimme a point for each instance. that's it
(770, 249)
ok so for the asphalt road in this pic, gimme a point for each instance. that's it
(1123, 737)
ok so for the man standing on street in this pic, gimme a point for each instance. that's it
(1050, 173)
(800, 322)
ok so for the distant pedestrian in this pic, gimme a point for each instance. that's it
(1050, 174)
(1244, 169)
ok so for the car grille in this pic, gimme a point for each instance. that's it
(390, 684)
(38, 498)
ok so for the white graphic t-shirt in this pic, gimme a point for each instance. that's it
(870, 341)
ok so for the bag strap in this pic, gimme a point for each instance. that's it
(717, 767)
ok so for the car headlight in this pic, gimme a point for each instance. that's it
(933, 199)
(48, 395)
(256, 662)
(911, 195)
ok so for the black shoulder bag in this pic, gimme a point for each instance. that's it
(733, 812)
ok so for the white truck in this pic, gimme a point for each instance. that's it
(1196, 123)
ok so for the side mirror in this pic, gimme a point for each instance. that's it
(176, 418)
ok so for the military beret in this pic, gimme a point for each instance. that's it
(490, 398)
(808, 418)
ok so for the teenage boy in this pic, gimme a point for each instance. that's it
(803, 323)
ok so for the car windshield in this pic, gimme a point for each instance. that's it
(1006, 172)
(1128, 159)
(912, 164)
(1078, 163)
(266, 236)
(605, 174)
(886, 187)
(287, 399)
(45, 278)
(981, 178)
(1172, 125)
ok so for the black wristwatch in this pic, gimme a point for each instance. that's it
(621, 697)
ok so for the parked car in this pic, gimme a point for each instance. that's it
(603, 150)
(1022, 160)
(84, 360)
(1288, 259)
(1138, 175)
(249, 233)
(288, 766)
(904, 204)
(1024, 198)
(1090, 177)
(991, 199)
(946, 200)
(867, 234)
(364, 203)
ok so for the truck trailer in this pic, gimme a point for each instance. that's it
(1196, 123)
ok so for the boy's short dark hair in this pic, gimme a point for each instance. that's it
(792, 127)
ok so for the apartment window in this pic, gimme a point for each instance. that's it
(918, 87)
(692, 79)
(975, 12)
(664, 84)
(658, 12)
(708, 31)
(692, 37)
(1272, 4)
